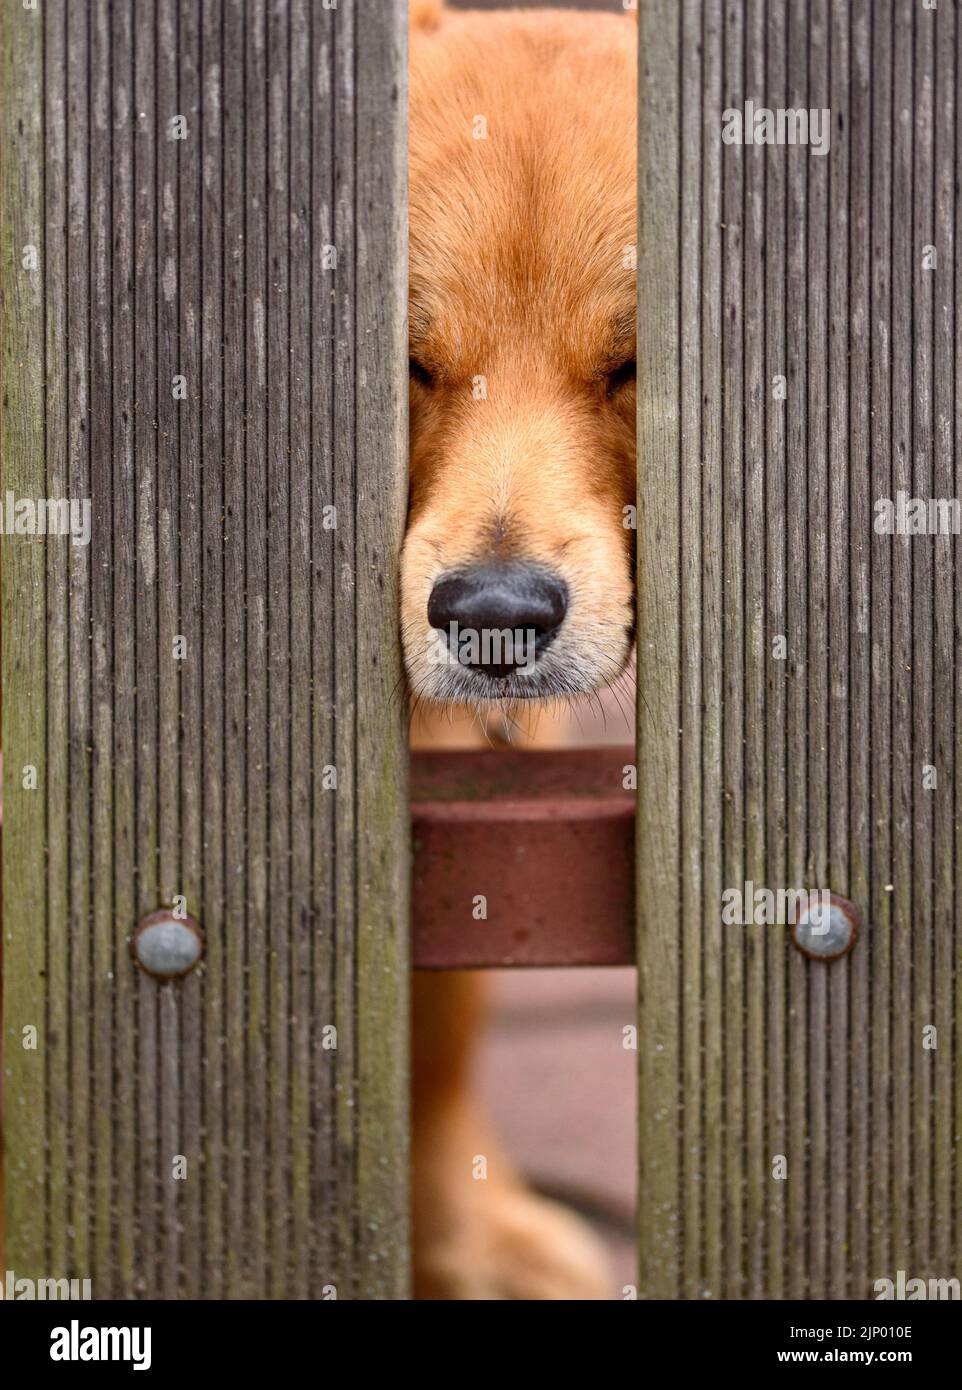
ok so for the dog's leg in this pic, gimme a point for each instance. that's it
(479, 1232)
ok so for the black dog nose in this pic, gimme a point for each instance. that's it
(502, 615)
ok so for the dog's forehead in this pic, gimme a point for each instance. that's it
(522, 173)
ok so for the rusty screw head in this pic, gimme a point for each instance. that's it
(167, 946)
(826, 932)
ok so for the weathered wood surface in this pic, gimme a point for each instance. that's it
(756, 520)
(205, 771)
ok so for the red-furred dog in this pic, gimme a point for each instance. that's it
(522, 313)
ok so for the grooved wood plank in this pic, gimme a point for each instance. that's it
(125, 665)
(903, 713)
(78, 786)
(799, 357)
(57, 689)
(187, 1208)
(881, 1255)
(712, 518)
(731, 605)
(103, 962)
(857, 27)
(756, 663)
(211, 445)
(922, 284)
(945, 632)
(211, 348)
(24, 655)
(776, 627)
(659, 904)
(691, 599)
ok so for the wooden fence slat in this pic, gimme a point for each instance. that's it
(879, 727)
(659, 906)
(101, 638)
(795, 369)
(300, 257)
(22, 343)
(233, 757)
(731, 602)
(798, 669)
(819, 537)
(125, 663)
(187, 1208)
(78, 785)
(279, 756)
(922, 285)
(54, 164)
(345, 654)
(257, 964)
(147, 634)
(212, 504)
(711, 646)
(171, 543)
(853, 349)
(776, 625)
(381, 763)
(755, 661)
(691, 598)
(848, 763)
(322, 904)
(947, 710)
(903, 774)
(211, 348)
(836, 659)
(957, 570)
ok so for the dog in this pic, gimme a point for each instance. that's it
(522, 468)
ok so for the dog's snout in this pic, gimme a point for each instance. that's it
(486, 600)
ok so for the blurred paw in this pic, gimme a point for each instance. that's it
(514, 1245)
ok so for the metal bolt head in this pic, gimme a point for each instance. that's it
(167, 946)
(809, 932)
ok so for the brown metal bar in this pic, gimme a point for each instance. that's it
(522, 858)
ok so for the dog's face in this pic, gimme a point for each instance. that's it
(522, 329)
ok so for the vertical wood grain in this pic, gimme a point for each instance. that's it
(711, 733)
(922, 284)
(755, 662)
(659, 898)
(777, 1052)
(691, 598)
(22, 343)
(904, 778)
(806, 772)
(797, 1254)
(191, 231)
(212, 349)
(946, 617)
(879, 728)
(102, 638)
(57, 687)
(381, 1252)
(211, 629)
(732, 605)
(125, 663)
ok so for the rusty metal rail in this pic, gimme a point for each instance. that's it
(523, 858)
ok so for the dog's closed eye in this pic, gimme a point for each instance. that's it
(619, 376)
(420, 373)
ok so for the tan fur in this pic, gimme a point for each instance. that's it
(490, 1238)
(518, 276)
(424, 14)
